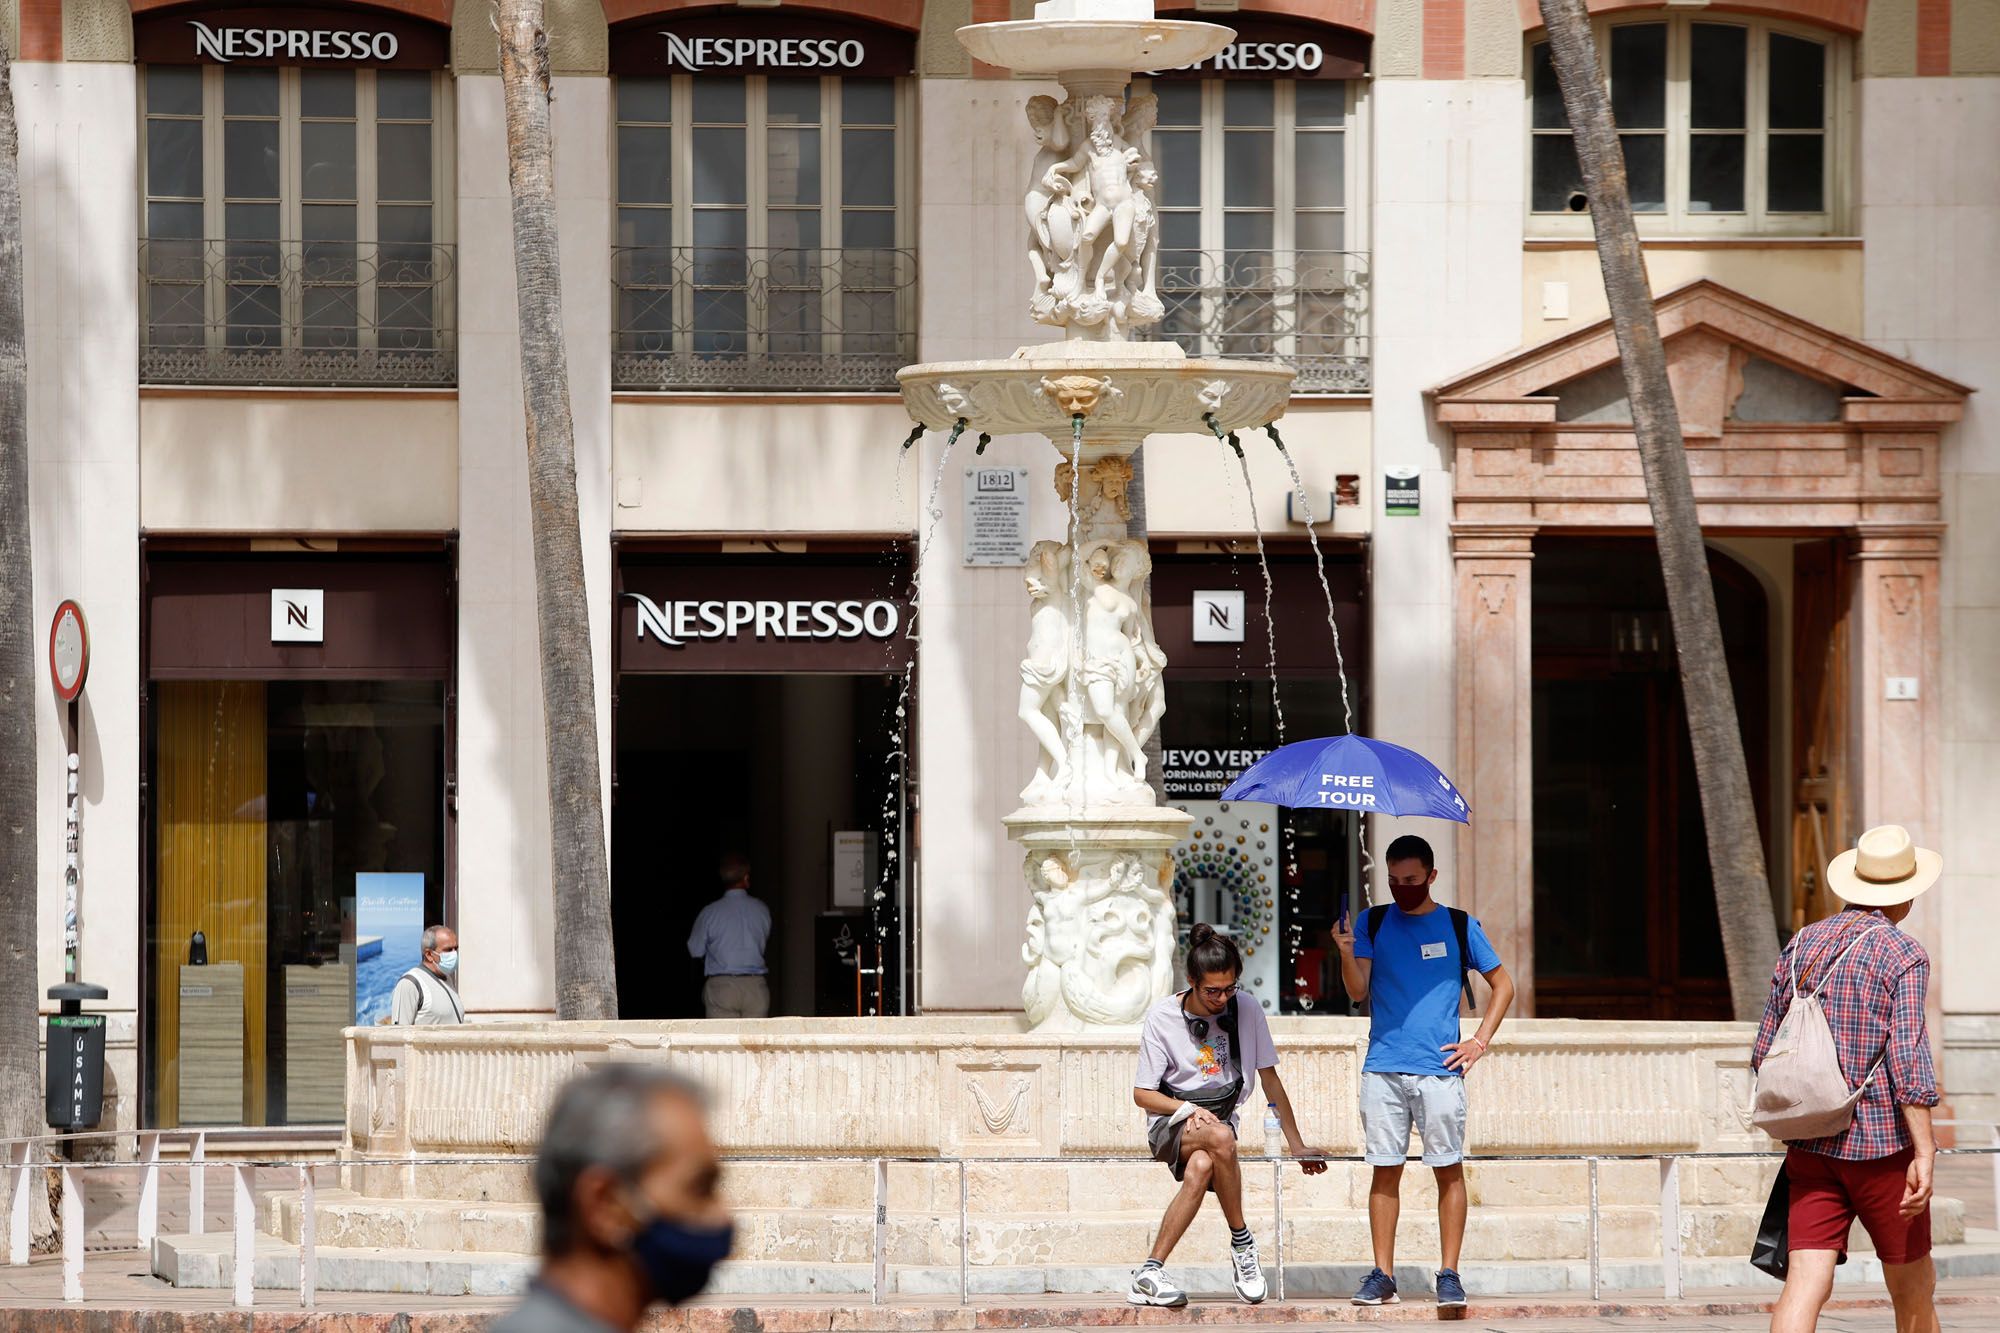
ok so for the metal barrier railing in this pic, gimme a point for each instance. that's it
(21, 1165)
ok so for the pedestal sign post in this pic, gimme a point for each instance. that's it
(74, 1088)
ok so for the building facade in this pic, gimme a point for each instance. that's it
(278, 460)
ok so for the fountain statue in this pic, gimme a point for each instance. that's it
(1098, 847)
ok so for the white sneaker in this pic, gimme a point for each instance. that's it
(1150, 1287)
(1249, 1273)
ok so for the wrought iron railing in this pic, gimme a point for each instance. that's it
(717, 317)
(296, 313)
(1307, 307)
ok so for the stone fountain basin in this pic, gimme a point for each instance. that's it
(1149, 393)
(1125, 45)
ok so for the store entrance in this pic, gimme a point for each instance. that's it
(777, 767)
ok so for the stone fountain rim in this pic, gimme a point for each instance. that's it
(1030, 41)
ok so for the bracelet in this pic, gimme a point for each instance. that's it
(1481, 1040)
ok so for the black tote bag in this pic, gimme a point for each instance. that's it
(1771, 1252)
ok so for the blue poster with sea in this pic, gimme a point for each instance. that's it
(388, 938)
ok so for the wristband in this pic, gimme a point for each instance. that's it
(1181, 1113)
(1481, 1040)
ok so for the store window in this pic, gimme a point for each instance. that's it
(1728, 128)
(297, 226)
(763, 239)
(1263, 249)
(298, 834)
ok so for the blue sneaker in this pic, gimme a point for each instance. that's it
(1451, 1292)
(1378, 1288)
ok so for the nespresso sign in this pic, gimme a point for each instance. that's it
(794, 46)
(843, 613)
(1278, 48)
(675, 623)
(315, 38)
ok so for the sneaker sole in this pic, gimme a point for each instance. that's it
(1258, 1299)
(1386, 1300)
(1452, 1305)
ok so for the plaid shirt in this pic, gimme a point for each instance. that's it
(1875, 1006)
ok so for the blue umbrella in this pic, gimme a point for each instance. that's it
(1352, 774)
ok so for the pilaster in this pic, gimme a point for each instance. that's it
(1495, 680)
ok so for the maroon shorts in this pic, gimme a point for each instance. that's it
(1828, 1194)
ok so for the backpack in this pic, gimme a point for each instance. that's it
(1800, 1092)
(1460, 926)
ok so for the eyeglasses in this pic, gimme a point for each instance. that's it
(1219, 992)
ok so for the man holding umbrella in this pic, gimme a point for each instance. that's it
(1410, 960)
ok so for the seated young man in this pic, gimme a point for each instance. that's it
(1196, 1049)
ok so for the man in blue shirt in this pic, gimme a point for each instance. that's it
(1409, 961)
(729, 937)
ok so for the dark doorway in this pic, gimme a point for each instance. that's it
(1625, 918)
(769, 765)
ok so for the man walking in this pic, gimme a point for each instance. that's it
(1196, 1051)
(1410, 961)
(632, 1212)
(729, 937)
(425, 995)
(1870, 979)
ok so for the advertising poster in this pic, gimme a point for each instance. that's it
(388, 938)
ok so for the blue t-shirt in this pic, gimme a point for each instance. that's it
(1413, 987)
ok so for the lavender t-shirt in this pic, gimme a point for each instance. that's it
(1169, 1053)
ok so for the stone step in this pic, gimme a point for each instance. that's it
(817, 1236)
(207, 1261)
(996, 1185)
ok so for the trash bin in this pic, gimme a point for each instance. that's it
(75, 1069)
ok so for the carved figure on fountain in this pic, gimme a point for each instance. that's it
(1100, 936)
(1045, 670)
(1093, 216)
(1102, 494)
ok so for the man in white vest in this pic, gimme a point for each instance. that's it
(425, 994)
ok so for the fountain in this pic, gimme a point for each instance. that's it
(1098, 847)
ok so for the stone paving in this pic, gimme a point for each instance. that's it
(122, 1297)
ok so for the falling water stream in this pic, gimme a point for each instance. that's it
(897, 724)
(1319, 563)
(1079, 790)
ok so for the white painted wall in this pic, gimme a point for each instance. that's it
(505, 909)
(1930, 214)
(78, 158)
(289, 462)
(1450, 196)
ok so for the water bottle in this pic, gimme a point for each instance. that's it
(1274, 1131)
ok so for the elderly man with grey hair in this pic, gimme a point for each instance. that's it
(425, 995)
(628, 1180)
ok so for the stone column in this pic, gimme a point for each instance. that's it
(1894, 622)
(1495, 768)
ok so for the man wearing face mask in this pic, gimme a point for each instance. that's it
(632, 1212)
(1410, 961)
(425, 994)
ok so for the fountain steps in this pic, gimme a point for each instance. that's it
(926, 1238)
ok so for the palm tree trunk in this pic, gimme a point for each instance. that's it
(1135, 530)
(1735, 853)
(20, 1051)
(586, 984)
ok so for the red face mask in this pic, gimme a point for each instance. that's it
(1410, 897)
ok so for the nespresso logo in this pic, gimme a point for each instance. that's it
(699, 53)
(227, 44)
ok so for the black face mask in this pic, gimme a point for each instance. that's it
(678, 1259)
(1410, 897)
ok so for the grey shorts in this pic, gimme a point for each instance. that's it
(1163, 1140)
(1433, 1103)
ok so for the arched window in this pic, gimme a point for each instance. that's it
(1730, 127)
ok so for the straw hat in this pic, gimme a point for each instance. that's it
(1884, 868)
